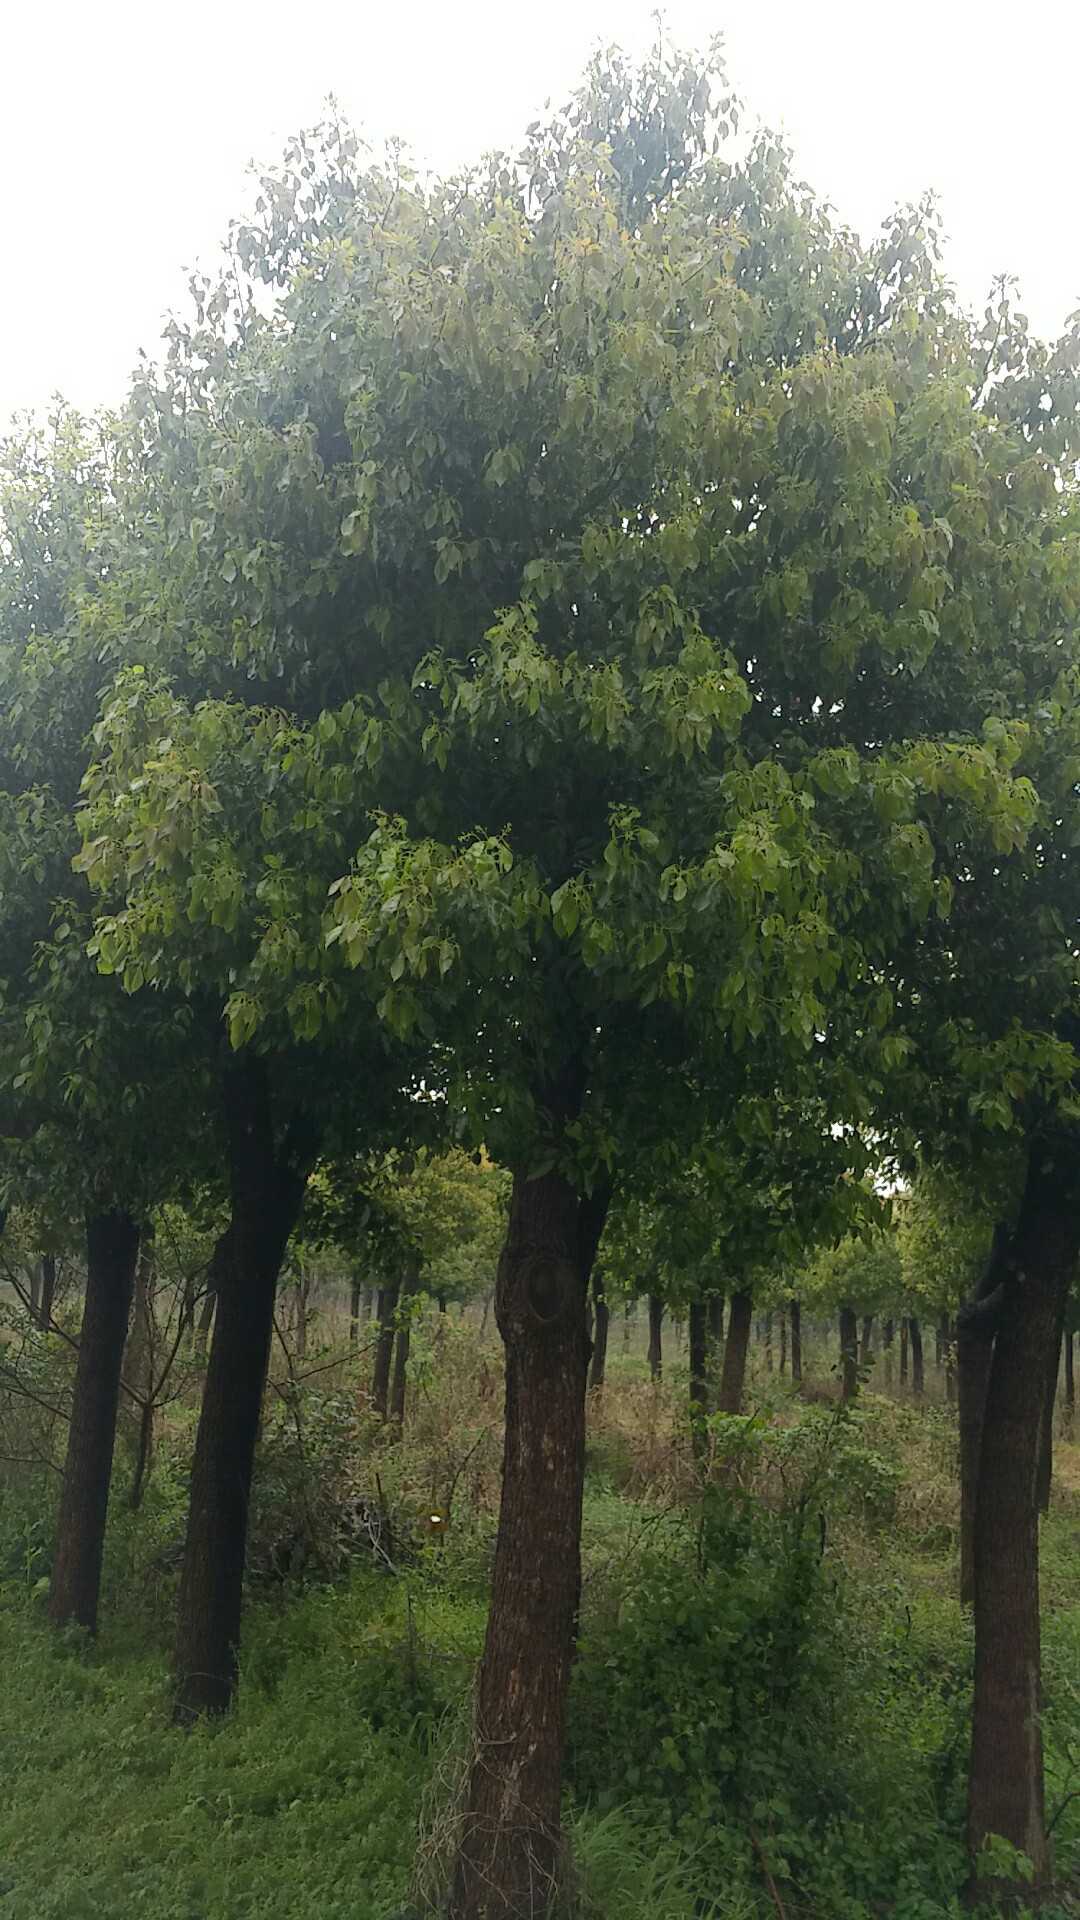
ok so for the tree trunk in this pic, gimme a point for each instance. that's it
(355, 1292)
(138, 1367)
(1070, 1381)
(974, 1353)
(768, 1333)
(888, 1337)
(866, 1342)
(656, 1348)
(35, 1292)
(699, 1373)
(384, 1346)
(904, 1325)
(598, 1367)
(783, 1340)
(1006, 1787)
(205, 1322)
(715, 1357)
(796, 1342)
(939, 1341)
(736, 1347)
(303, 1298)
(950, 1362)
(509, 1852)
(266, 1192)
(401, 1349)
(849, 1354)
(628, 1312)
(112, 1243)
(918, 1376)
(1046, 1451)
(47, 1296)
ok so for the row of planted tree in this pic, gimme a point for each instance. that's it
(580, 661)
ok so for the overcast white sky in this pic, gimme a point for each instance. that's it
(127, 129)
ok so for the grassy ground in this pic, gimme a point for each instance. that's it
(769, 1713)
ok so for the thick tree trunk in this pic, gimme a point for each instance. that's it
(736, 1347)
(598, 1367)
(904, 1325)
(384, 1346)
(267, 1188)
(699, 1373)
(866, 1341)
(46, 1291)
(849, 1354)
(509, 1854)
(918, 1375)
(796, 1342)
(1006, 1786)
(112, 1244)
(355, 1292)
(656, 1338)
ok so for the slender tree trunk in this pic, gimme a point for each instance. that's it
(699, 1373)
(598, 1367)
(715, 1355)
(736, 1347)
(355, 1291)
(138, 1367)
(303, 1298)
(508, 1861)
(628, 1315)
(950, 1361)
(47, 1295)
(1070, 1381)
(904, 1325)
(796, 1342)
(35, 1292)
(918, 1375)
(112, 1243)
(369, 1303)
(1046, 1452)
(849, 1354)
(783, 1340)
(205, 1322)
(1006, 1786)
(939, 1342)
(974, 1354)
(866, 1342)
(384, 1346)
(267, 1188)
(888, 1337)
(656, 1348)
(401, 1349)
(768, 1332)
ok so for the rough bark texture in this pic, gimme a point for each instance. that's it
(598, 1367)
(918, 1377)
(849, 1353)
(656, 1338)
(736, 1347)
(384, 1346)
(112, 1243)
(796, 1342)
(266, 1190)
(1005, 1784)
(508, 1861)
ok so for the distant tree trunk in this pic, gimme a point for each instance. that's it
(441, 1302)
(950, 1361)
(266, 1191)
(355, 1294)
(715, 1347)
(849, 1354)
(656, 1322)
(1070, 1381)
(918, 1378)
(699, 1373)
(303, 1300)
(783, 1340)
(35, 1292)
(768, 1332)
(138, 1366)
(112, 1243)
(509, 1850)
(488, 1297)
(888, 1335)
(205, 1322)
(384, 1346)
(187, 1311)
(628, 1316)
(736, 1346)
(866, 1342)
(1006, 1785)
(796, 1342)
(598, 1366)
(939, 1341)
(401, 1351)
(904, 1324)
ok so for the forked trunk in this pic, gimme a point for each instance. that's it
(849, 1354)
(1005, 1786)
(508, 1861)
(656, 1347)
(796, 1342)
(918, 1375)
(386, 1313)
(699, 1373)
(112, 1243)
(736, 1347)
(267, 1188)
(598, 1367)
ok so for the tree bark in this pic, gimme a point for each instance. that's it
(736, 1347)
(950, 1362)
(508, 1861)
(976, 1326)
(205, 1322)
(1046, 1451)
(783, 1339)
(1005, 1785)
(138, 1367)
(355, 1292)
(401, 1348)
(699, 1373)
(918, 1375)
(888, 1336)
(768, 1333)
(656, 1347)
(715, 1354)
(849, 1354)
(904, 1325)
(866, 1341)
(112, 1243)
(796, 1342)
(598, 1367)
(46, 1291)
(384, 1346)
(1070, 1380)
(266, 1191)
